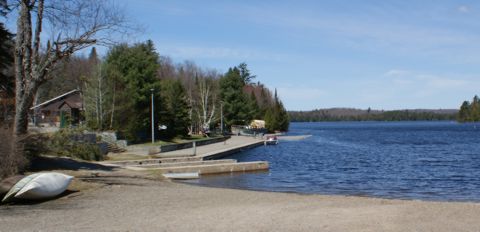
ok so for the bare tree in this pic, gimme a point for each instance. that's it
(206, 102)
(187, 73)
(97, 106)
(74, 25)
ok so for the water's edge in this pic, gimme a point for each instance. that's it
(433, 161)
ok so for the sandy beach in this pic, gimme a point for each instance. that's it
(123, 202)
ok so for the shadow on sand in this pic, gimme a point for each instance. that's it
(43, 163)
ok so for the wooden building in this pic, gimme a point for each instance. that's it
(67, 107)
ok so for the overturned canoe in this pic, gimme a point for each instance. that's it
(39, 186)
(18, 186)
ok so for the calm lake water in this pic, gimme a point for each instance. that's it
(404, 160)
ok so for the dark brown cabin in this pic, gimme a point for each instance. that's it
(69, 104)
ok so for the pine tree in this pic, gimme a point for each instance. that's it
(177, 108)
(276, 118)
(235, 101)
(245, 74)
(464, 113)
(475, 109)
(135, 71)
(253, 107)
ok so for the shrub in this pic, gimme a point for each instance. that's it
(64, 143)
(11, 160)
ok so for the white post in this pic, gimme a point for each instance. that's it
(194, 148)
(153, 120)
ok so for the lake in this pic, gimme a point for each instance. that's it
(401, 160)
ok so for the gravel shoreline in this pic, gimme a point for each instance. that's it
(133, 203)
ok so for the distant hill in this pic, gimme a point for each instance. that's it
(351, 114)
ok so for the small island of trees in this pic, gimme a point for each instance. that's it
(470, 111)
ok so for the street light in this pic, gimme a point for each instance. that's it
(221, 117)
(153, 119)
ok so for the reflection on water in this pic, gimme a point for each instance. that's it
(407, 160)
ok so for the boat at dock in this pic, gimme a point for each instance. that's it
(271, 140)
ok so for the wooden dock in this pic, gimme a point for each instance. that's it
(205, 160)
(215, 168)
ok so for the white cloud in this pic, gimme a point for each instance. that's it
(367, 32)
(434, 83)
(397, 73)
(437, 82)
(463, 9)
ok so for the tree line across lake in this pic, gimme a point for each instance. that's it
(348, 114)
(468, 112)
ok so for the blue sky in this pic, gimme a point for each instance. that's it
(318, 54)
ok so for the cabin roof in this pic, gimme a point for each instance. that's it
(55, 102)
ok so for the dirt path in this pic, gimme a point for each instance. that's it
(119, 203)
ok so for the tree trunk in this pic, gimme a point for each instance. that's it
(20, 125)
(113, 105)
(32, 66)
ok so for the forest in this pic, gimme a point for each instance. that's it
(188, 99)
(348, 114)
(51, 52)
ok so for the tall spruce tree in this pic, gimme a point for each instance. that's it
(254, 108)
(276, 117)
(235, 101)
(245, 74)
(135, 68)
(177, 107)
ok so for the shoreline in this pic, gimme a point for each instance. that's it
(123, 200)
(326, 194)
(135, 203)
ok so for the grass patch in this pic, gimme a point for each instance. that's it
(176, 140)
(125, 156)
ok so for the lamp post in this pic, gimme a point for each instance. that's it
(153, 119)
(221, 117)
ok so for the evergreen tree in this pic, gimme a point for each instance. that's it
(253, 107)
(475, 109)
(177, 109)
(264, 101)
(235, 101)
(276, 118)
(464, 113)
(245, 74)
(135, 69)
(6, 60)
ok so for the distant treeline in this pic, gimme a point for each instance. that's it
(470, 112)
(347, 114)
